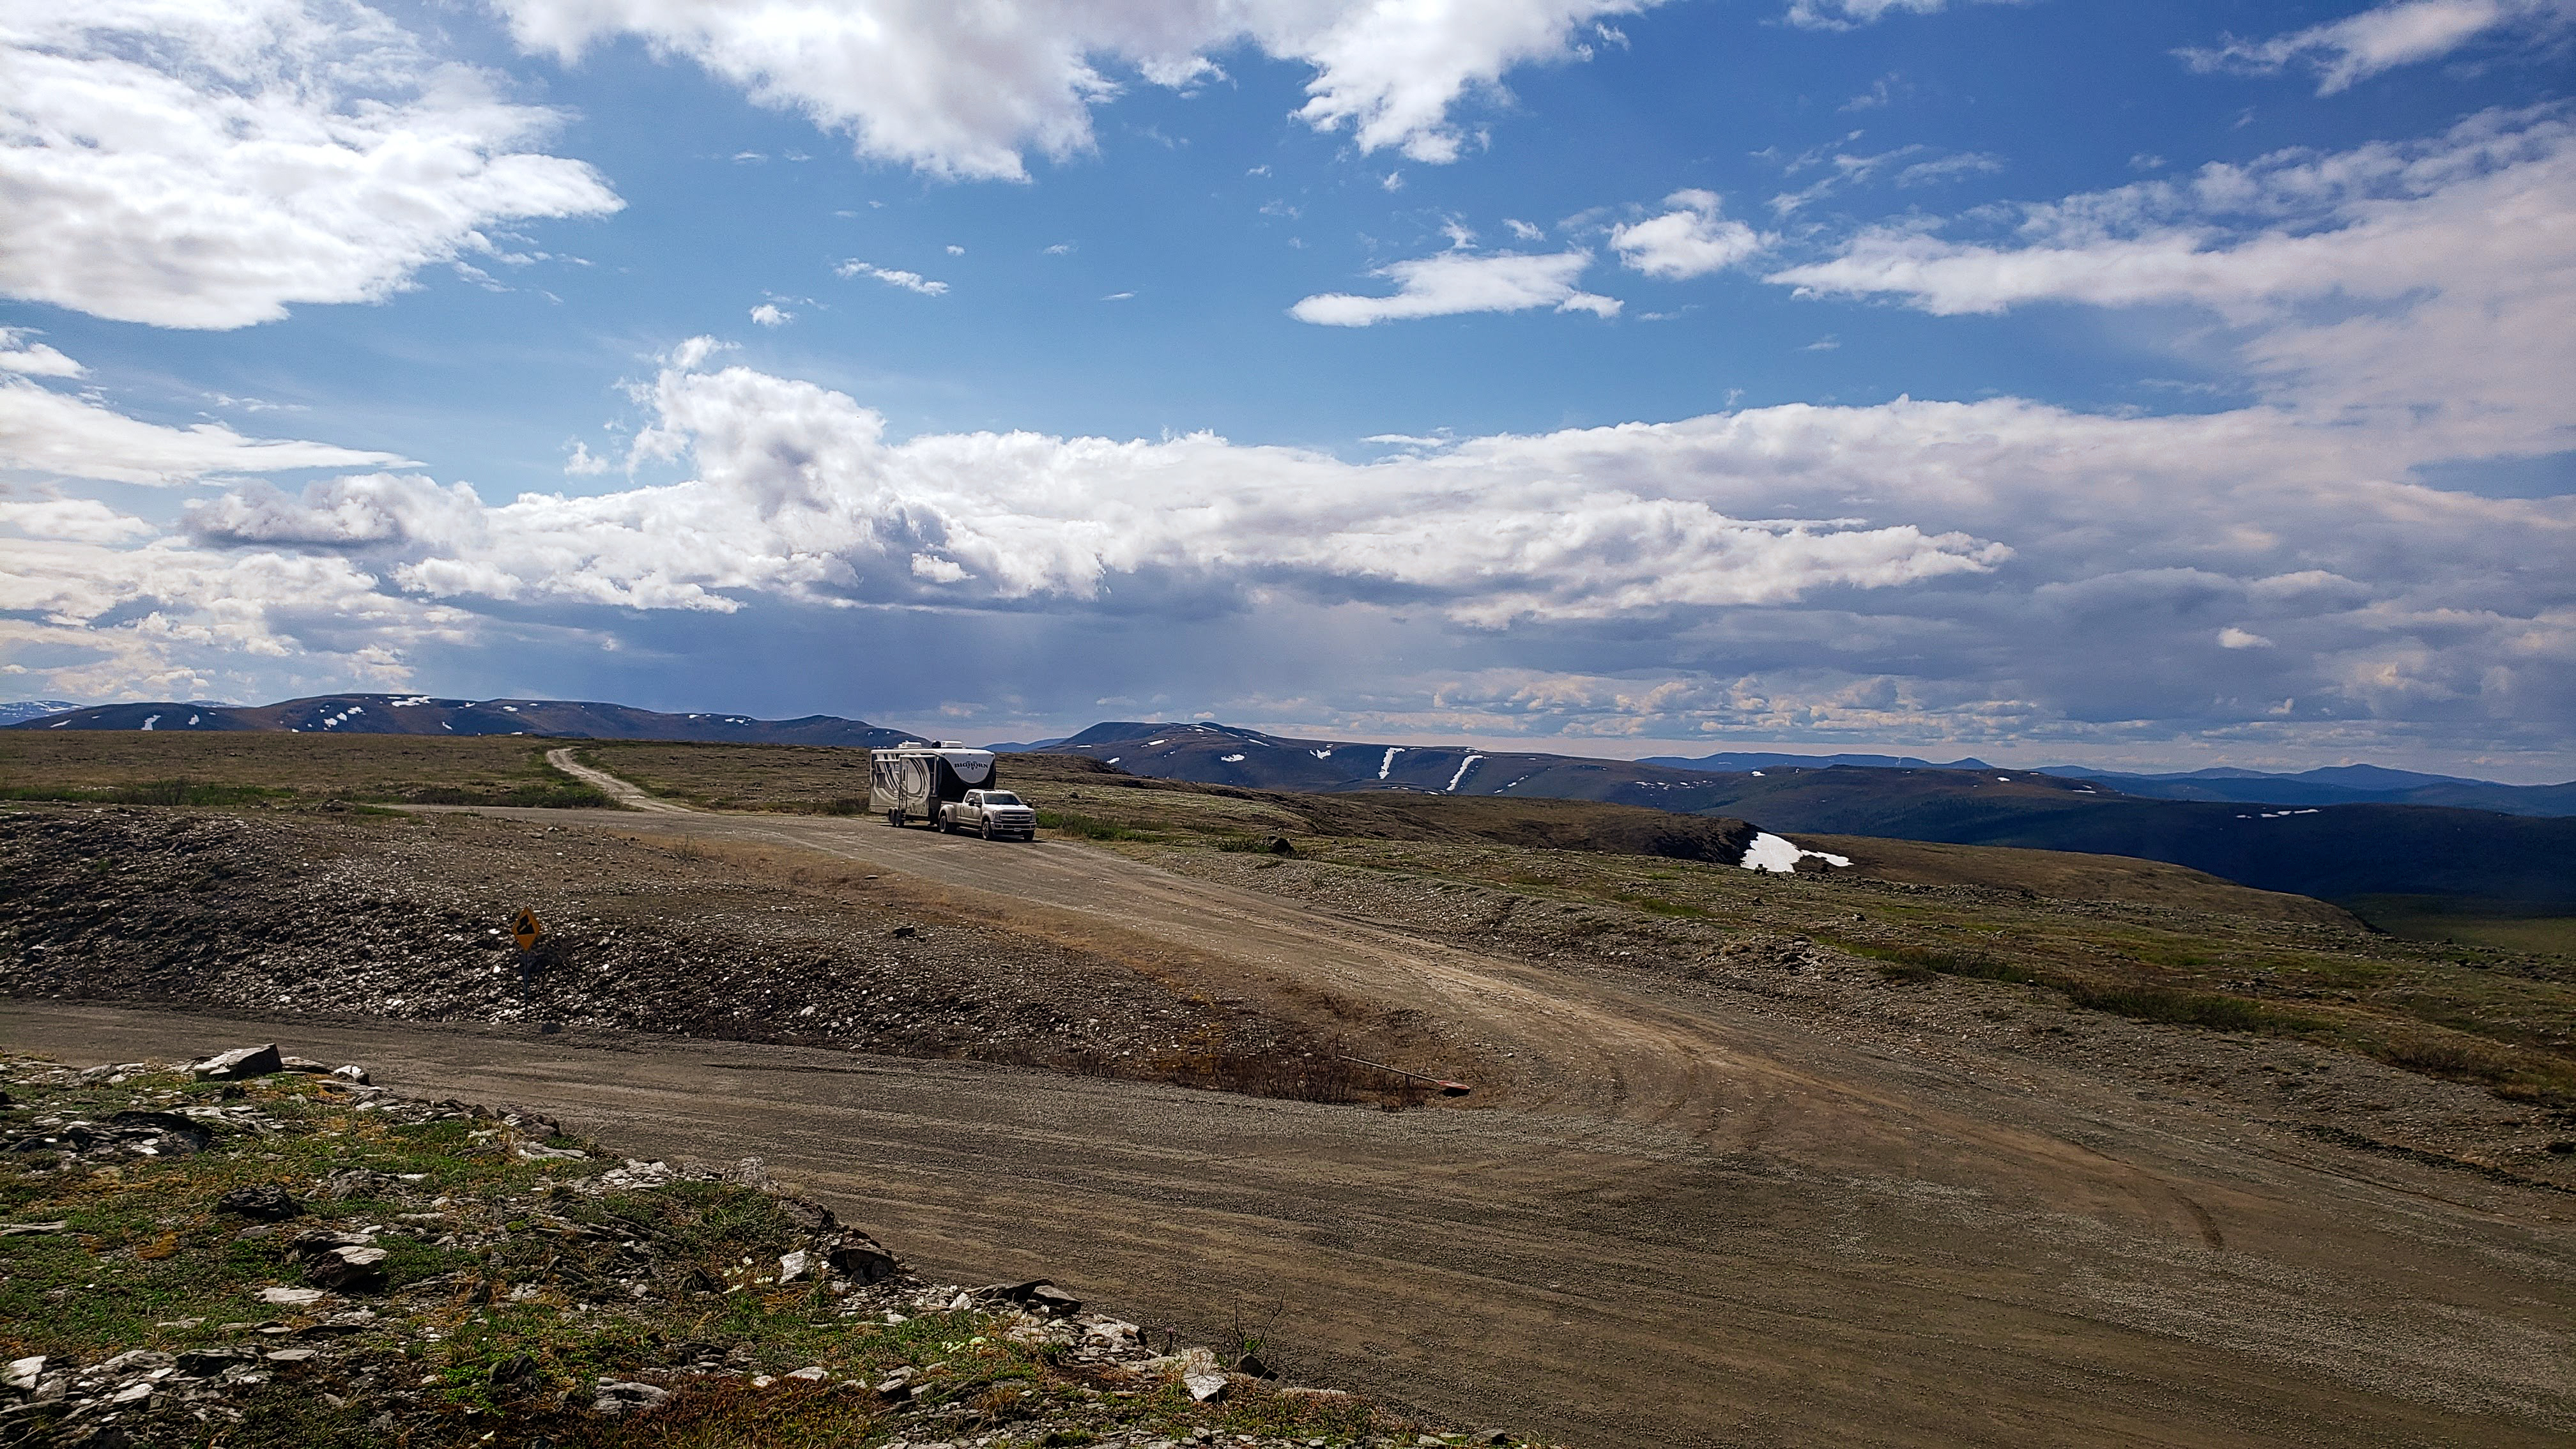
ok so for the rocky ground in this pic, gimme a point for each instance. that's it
(293, 1257)
(403, 917)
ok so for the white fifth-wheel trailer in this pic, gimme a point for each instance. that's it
(946, 785)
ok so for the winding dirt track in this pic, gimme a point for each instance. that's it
(1659, 1221)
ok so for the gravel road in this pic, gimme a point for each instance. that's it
(1664, 1218)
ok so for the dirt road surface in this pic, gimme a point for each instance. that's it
(621, 791)
(1658, 1222)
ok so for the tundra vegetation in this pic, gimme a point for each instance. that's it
(297, 1260)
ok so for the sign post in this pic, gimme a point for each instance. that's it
(526, 930)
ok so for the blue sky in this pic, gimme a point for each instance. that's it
(2162, 385)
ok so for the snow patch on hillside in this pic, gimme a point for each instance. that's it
(1780, 855)
(1464, 766)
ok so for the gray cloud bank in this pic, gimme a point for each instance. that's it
(1923, 571)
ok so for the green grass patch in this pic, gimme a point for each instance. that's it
(558, 794)
(1090, 827)
(2452, 920)
(150, 792)
(513, 1290)
(1658, 906)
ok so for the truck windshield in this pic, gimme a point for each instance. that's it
(1000, 797)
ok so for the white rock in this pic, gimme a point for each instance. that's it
(617, 1398)
(791, 1266)
(1206, 1388)
(291, 1297)
(256, 1061)
(23, 1373)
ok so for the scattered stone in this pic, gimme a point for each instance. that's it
(237, 1064)
(261, 1202)
(172, 1135)
(617, 1397)
(577, 1267)
(348, 1270)
(352, 1182)
(32, 1230)
(1041, 1295)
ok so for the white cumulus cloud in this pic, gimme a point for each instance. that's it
(1455, 282)
(1690, 239)
(1962, 571)
(1851, 14)
(2425, 281)
(892, 277)
(969, 90)
(2358, 47)
(206, 165)
(798, 494)
(33, 359)
(49, 433)
(78, 520)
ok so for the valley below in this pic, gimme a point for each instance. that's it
(1950, 1148)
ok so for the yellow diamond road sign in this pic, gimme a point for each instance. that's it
(525, 929)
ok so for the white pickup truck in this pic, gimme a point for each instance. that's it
(990, 813)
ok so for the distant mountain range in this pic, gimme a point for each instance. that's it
(2337, 785)
(2336, 834)
(1228, 755)
(15, 710)
(1757, 760)
(2335, 851)
(418, 714)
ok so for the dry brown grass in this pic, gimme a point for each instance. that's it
(312, 766)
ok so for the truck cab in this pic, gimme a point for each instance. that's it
(991, 814)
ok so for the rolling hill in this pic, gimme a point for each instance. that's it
(2332, 852)
(2338, 785)
(416, 714)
